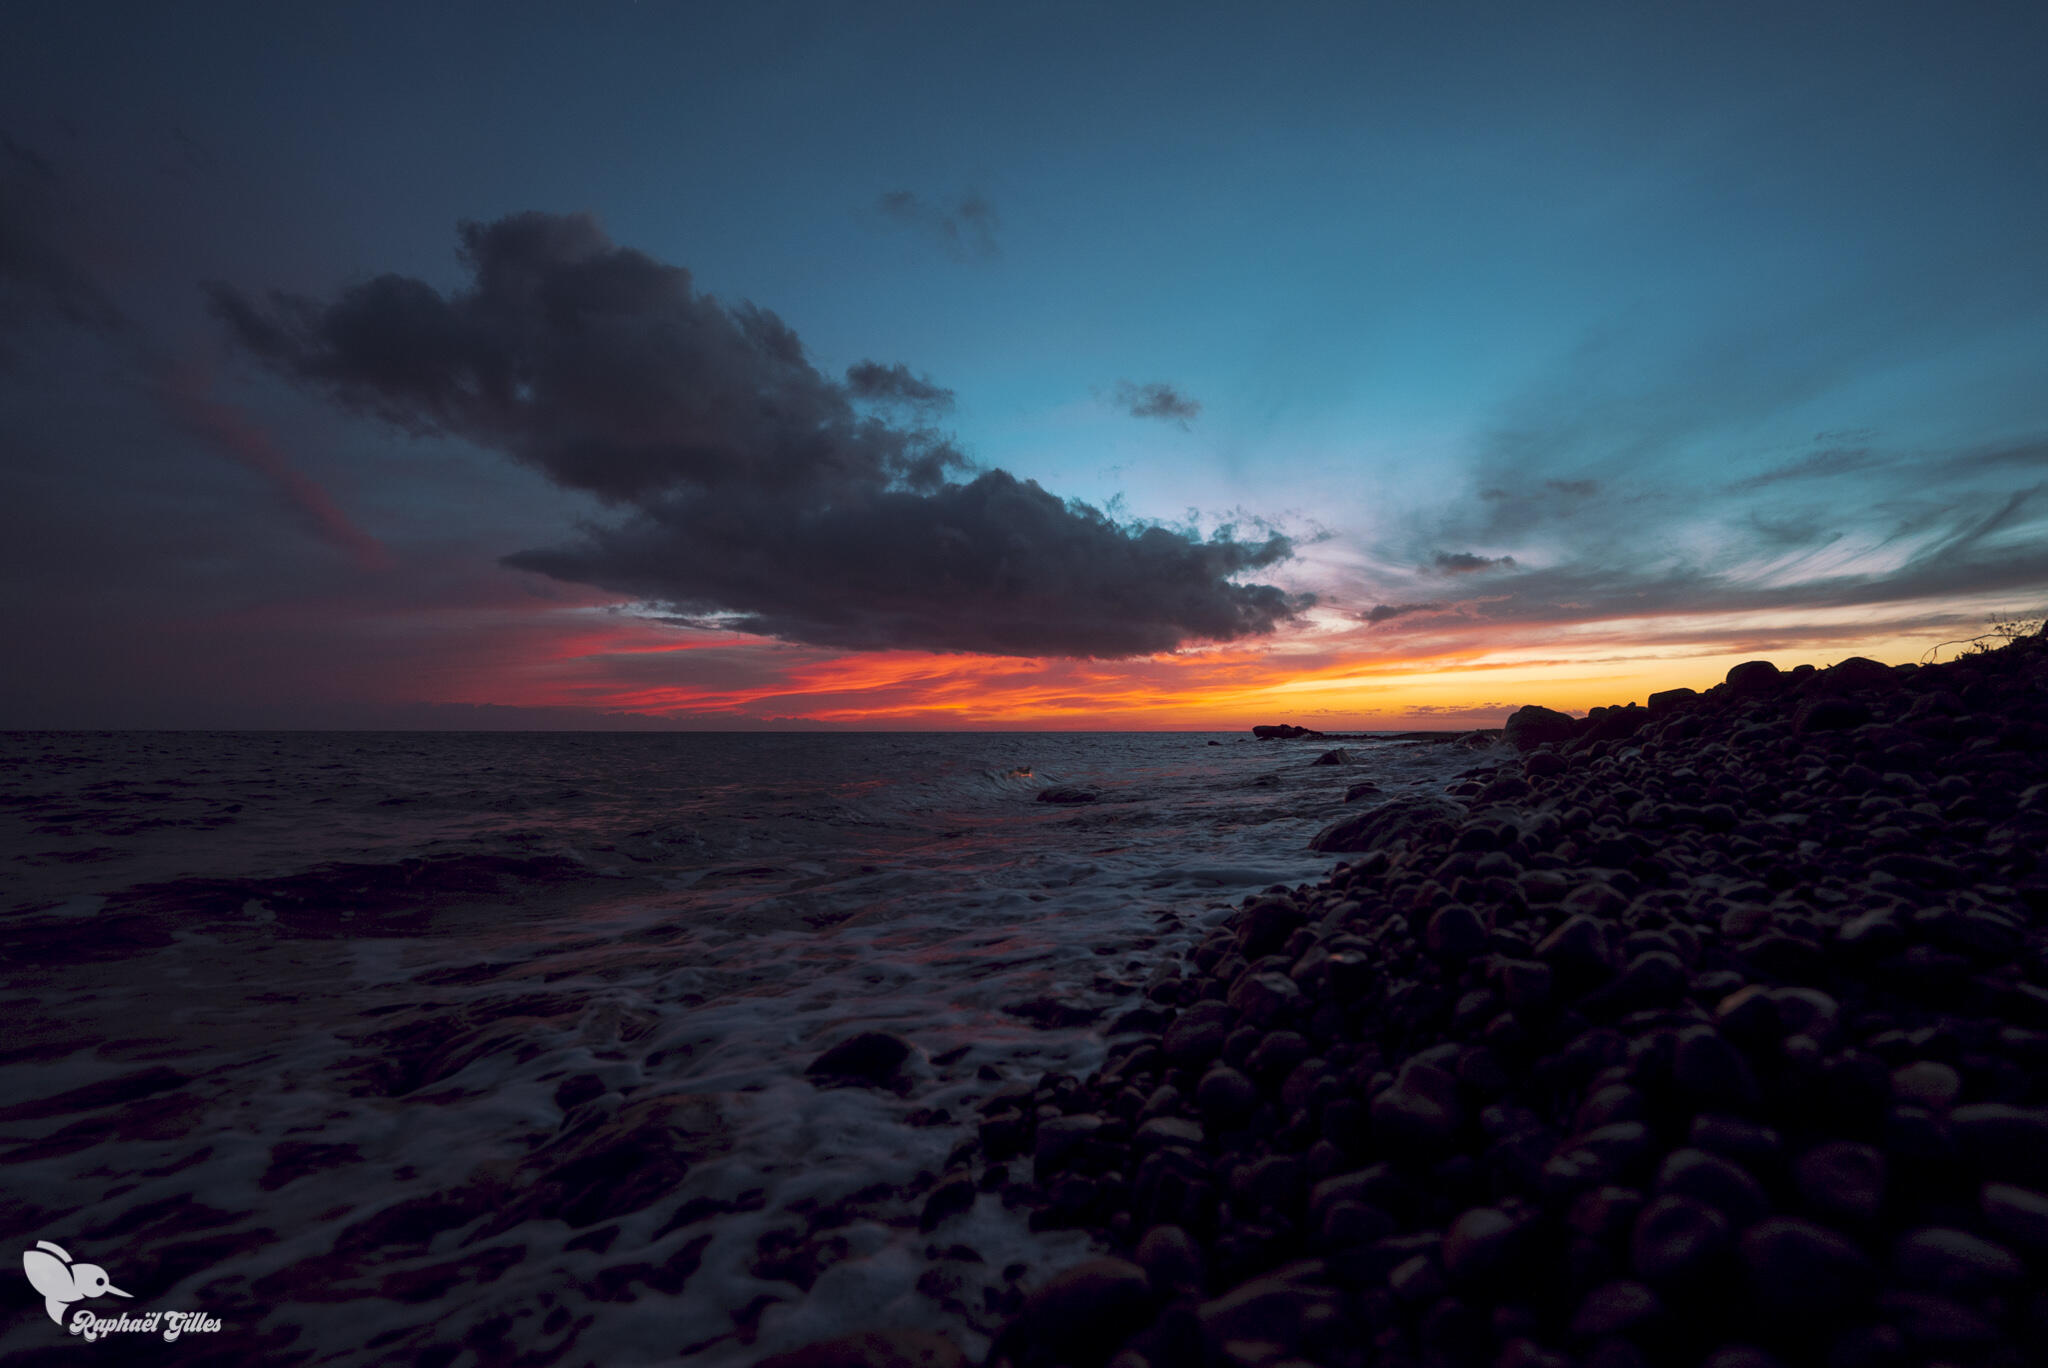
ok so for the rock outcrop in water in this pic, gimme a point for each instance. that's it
(1284, 731)
(1708, 1033)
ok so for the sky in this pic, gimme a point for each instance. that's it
(1030, 366)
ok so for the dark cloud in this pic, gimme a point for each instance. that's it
(1827, 463)
(1466, 563)
(1383, 612)
(967, 230)
(1156, 401)
(750, 485)
(885, 384)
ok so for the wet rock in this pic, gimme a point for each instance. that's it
(1226, 1097)
(1057, 1138)
(2003, 1143)
(1954, 1262)
(1078, 1317)
(949, 1199)
(2018, 1214)
(1711, 1071)
(1720, 1183)
(1927, 1083)
(1843, 1183)
(1676, 1239)
(869, 1057)
(1419, 1110)
(1615, 1308)
(1479, 1244)
(1402, 820)
(1171, 1259)
(1282, 731)
(873, 1349)
(1197, 1034)
(1265, 999)
(1798, 1268)
(1339, 756)
(1455, 933)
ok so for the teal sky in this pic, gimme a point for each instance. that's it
(1666, 311)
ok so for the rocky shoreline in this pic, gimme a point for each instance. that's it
(1708, 1032)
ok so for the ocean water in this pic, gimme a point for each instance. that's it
(480, 1045)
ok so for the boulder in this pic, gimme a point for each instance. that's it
(1424, 818)
(1282, 731)
(1532, 726)
(1753, 677)
(871, 1057)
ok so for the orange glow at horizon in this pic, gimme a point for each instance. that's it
(1347, 680)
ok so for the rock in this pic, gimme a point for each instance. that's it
(1797, 1268)
(1171, 1259)
(1419, 1110)
(1162, 1131)
(1268, 1310)
(1479, 1244)
(1079, 1317)
(1531, 726)
(2017, 1213)
(1057, 1139)
(1927, 1083)
(1712, 1071)
(2003, 1143)
(949, 1199)
(1937, 1326)
(1577, 948)
(873, 1349)
(1264, 999)
(1404, 819)
(1455, 933)
(1226, 1097)
(1366, 789)
(1720, 1183)
(1339, 756)
(1676, 1239)
(1843, 1182)
(1284, 731)
(1667, 700)
(1615, 1308)
(1828, 715)
(1197, 1034)
(1752, 678)
(1067, 793)
(1954, 1262)
(870, 1057)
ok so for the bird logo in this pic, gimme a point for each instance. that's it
(63, 1282)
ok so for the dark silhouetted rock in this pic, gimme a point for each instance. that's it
(1666, 700)
(1283, 731)
(1339, 756)
(1753, 677)
(871, 1056)
(1532, 726)
(1799, 1268)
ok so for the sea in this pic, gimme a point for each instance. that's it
(461, 1048)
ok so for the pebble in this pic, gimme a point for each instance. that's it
(1799, 1268)
(1676, 1239)
(1843, 1181)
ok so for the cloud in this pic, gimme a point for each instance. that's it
(967, 230)
(1383, 612)
(1466, 563)
(1156, 401)
(885, 384)
(186, 394)
(748, 484)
